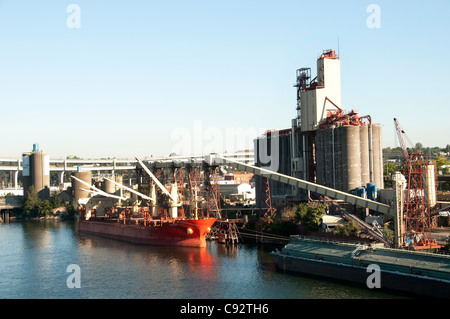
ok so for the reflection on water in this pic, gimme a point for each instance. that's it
(35, 255)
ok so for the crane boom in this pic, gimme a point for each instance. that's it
(99, 191)
(103, 194)
(155, 180)
(131, 190)
(400, 132)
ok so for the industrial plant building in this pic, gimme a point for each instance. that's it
(325, 144)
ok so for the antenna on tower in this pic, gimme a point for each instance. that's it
(338, 48)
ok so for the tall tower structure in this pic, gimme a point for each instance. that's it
(340, 149)
(317, 96)
(36, 172)
(325, 144)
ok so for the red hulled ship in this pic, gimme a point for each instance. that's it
(143, 224)
(161, 232)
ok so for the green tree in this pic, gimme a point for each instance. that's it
(32, 203)
(289, 212)
(276, 226)
(391, 168)
(349, 229)
(45, 208)
(436, 150)
(418, 146)
(55, 201)
(441, 161)
(70, 208)
(33, 206)
(310, 215)
(352, 228)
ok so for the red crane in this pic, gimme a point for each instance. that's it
(417, 217)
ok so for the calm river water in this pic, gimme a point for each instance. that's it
(35, 255)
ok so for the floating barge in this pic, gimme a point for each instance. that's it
(406, 271)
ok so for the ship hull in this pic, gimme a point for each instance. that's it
(410, 284)
(186, 232)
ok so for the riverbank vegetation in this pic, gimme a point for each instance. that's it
(286, 223)
(34, 207)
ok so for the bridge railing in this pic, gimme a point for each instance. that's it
(15, 201)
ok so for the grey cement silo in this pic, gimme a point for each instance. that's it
(119, 179)
(78, 187)
(334, 171)
(40, 173)
(328, 158)
(364, 149)
(351, 158)
(328, 155)
(324, 156)
(108, 186)
(338, 158)
(36, 172)
(377, 156)
(340, 150)
(342, 157)
(320, 157)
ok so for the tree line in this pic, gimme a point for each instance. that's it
(419, 148)
(34, 207)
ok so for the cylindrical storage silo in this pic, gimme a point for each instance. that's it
(364, 149)
(325, 155)
(40, 173)
(380, 146)
(320, 157)
(377, 156)
(78, 187)
(351, 158)
(329, 157)
(108, 186)
(334, 155)
(343, 157)
(338, 137)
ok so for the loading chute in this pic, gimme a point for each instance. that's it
(173, 194)
(97, 191)
(131, 190)
(161, 186)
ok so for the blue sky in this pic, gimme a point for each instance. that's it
(138, 71)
